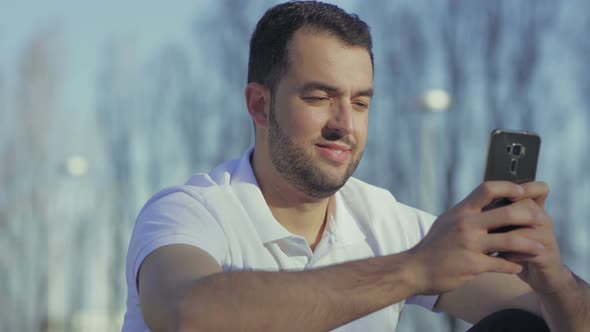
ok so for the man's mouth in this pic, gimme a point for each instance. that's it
(334, 152)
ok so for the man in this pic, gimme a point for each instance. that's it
(284, 239)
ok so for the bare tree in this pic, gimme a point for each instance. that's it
(115, 106)
(515, 32)
(174, 113)
(455, 46)
(404, 73)
(6, 172)
(226, 56)
(401, 70)
(25, 177)
(572, 164)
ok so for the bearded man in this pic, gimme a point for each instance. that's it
(284, 239)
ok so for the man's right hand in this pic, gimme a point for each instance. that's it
(458, 246)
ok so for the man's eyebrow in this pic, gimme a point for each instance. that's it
(311, 86)
(364, 93)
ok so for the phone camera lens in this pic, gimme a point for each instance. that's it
(516, 149)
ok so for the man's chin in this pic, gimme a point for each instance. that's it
(335, 179)
(334, 171)
(323, 182)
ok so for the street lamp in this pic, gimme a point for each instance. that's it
(436, 100)
(76, 166)
(431, 101)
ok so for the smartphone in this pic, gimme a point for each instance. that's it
(512, 156)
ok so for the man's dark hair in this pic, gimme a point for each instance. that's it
(271, 38)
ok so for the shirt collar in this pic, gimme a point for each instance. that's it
(342, 225)
(246, 188)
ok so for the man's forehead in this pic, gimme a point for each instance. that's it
(306, 35)
(308, 48)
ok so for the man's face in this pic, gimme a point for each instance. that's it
(319, 113)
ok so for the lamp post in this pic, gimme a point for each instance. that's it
(73, 168)
(431, 101)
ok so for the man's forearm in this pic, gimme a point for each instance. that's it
(314, 300)
(568, 310)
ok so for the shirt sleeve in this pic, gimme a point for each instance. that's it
(424, 221)
(174, 218)
(425, 301)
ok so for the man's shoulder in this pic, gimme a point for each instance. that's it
(220, 176)
(377, 209)
(200, 188)
(377, 200)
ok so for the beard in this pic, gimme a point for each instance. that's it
(297, 166)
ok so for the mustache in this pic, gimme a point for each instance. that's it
(331, 135)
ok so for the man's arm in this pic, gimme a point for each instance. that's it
(568, 308)
(182, 288)
(488, 293)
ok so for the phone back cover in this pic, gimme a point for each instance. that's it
(499, 159)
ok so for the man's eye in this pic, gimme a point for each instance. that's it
(361, 105)
(315, 99)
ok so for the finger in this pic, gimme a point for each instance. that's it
(538, 191)
(536, 233)
(516, 258)
(520, 213)
(510, 243)
(500, 265)
(488, 191)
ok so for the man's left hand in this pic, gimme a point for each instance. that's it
(544, 272)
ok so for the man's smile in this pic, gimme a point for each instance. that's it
(334, 152)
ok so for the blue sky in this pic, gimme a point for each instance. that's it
(86, 27)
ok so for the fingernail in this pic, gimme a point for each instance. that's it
(517, 269)
(540, 246)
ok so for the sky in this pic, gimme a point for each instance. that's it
(86, 28)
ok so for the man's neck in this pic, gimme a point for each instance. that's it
(297, 212)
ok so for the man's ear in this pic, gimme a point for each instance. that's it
(258, 103)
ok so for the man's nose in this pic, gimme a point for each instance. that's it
(341, 119)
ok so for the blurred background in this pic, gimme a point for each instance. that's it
(103, 103)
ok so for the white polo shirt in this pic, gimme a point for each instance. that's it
(224, 213)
